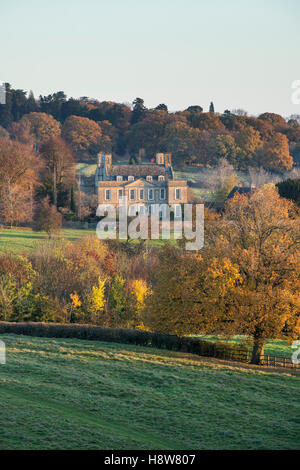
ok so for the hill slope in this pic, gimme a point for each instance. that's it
(71, 394)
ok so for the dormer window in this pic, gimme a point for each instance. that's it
(161, 178)
(119, 178)
(149, 178)
(130, 178)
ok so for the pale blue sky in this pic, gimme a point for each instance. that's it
(238, 53)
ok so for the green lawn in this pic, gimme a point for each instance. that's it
(19, 241)
(72, 394)
(23, 240)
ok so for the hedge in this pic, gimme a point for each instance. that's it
(127, 336)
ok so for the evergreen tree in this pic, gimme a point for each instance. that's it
(73, 200)
(139, 110)
(211, 107)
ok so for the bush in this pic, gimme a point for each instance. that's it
(126, 336)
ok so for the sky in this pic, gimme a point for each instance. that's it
(236, 53)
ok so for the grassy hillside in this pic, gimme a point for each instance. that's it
(72, 394)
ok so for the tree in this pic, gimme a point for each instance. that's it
(4, 134)
(195, 109)
(47, 218)
(277, 121)
(73, 207)
(211, 107)
(42, 126)
(290, 189)
(19, 176)
(162, 107)
(207, 121)
(146, 133)
(246, 281)
(21, 131)
(84, 136)
(223, 146)
(97, 301)
(139, 110)
(274, 155)
(259, 234)
(222, 172)
(239, 112)
(52, 104)
(117, 302)
(59, 171)
(248, 140)
(181, 140)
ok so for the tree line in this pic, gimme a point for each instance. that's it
(193, 136)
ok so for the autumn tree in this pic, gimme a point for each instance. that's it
(4, 134)
(206, 121)
(84, 136)
(59, 171)
(248, 140)
(19, 177)
(42, 126)
(246, 281)
(47, 218)
(181, 140)
(146, 133)
(259, 235)
(223, 146)
(274, 155)
(277, 121)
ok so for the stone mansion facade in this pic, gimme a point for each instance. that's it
(143, 185)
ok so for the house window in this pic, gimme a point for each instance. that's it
(178, 194)
(142, 194)
(161, 178)
(120, 194)
(107, 194)
(142, 210)
(149, 178)
(150, 194)
(130, 178)
(162, 193)
(132, 194)
(119, 178)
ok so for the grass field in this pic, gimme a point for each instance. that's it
(19, 241)
(22, 240)
(72, 394)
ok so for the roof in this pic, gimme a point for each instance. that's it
(240, 190)
(138, 170)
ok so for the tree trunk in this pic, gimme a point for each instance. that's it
(54, 188)
(257, 351)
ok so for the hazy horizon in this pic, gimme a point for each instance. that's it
(238, 54)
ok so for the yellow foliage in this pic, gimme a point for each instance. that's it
(97, 300)
(75, 300)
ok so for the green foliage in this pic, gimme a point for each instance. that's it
(290, 189)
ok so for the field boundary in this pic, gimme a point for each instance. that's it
(217, 350)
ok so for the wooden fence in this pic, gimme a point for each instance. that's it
(266, 359)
